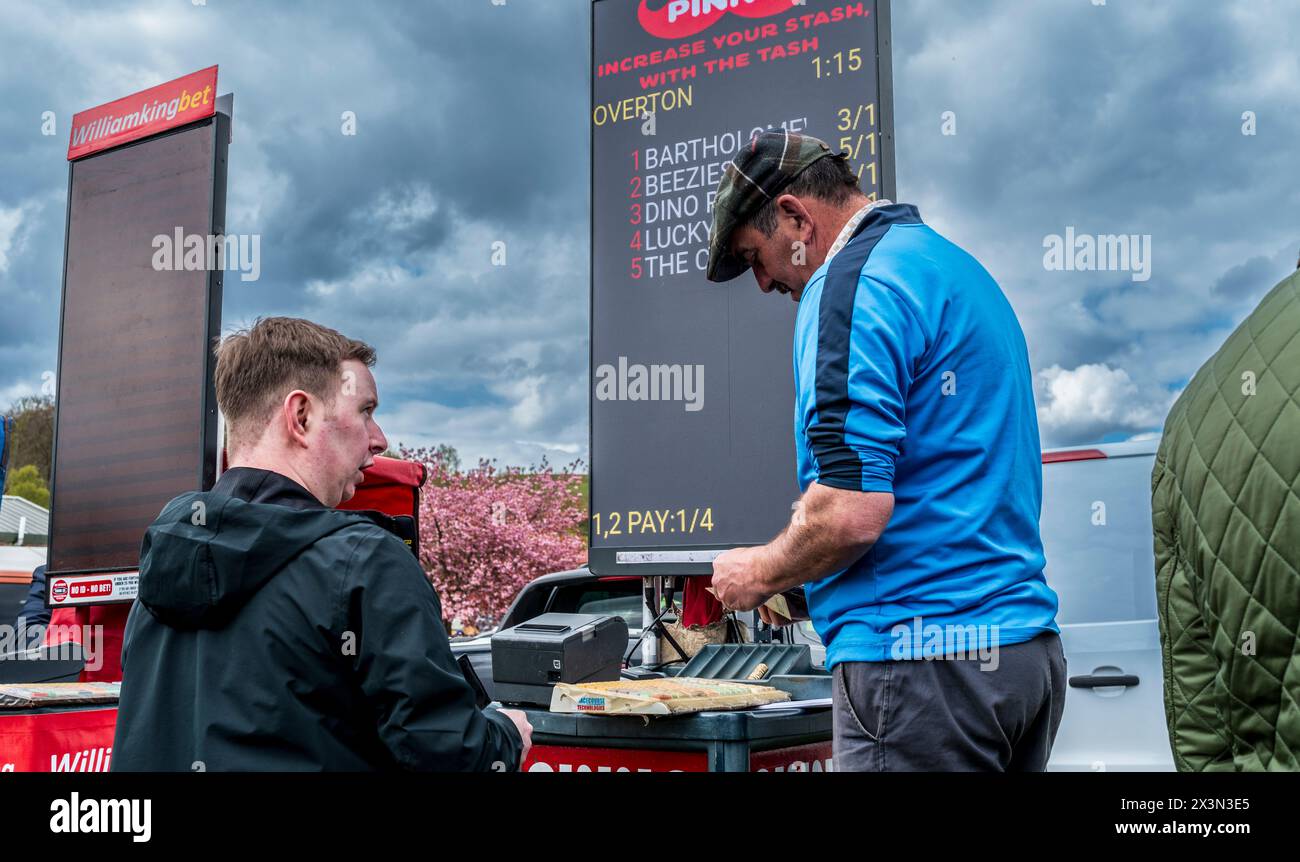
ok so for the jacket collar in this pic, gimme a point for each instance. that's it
(850, 229)
(264, 486)
(887, 214)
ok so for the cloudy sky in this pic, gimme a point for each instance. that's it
(1122, 118)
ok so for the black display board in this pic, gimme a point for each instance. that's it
(135, 414)
(692, 403)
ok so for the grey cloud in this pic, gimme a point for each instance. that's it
(472, 129)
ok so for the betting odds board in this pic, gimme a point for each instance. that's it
(692, 402)
(135, 415)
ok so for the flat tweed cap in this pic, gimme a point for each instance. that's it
(760, 171)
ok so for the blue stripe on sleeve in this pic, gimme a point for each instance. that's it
(839, 465)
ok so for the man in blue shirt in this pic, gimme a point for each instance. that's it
(919, 461)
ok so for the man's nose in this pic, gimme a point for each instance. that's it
(378, 442)
(764, 280)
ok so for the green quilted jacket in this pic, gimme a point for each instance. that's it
(1226, 512)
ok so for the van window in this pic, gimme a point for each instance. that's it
(1096, 527)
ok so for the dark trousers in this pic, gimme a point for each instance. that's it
(948, 715)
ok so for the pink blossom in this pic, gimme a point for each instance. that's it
(487, 532)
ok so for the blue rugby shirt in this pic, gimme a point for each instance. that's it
(912, 377)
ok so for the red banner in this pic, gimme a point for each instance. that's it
(148, 112)
(77, 741)
(557, 758)
(814, 757)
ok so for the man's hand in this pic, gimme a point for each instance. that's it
(738, 579)
(832, 529)
(525, 729)
(772, 618)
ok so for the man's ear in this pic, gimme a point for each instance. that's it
(791, 208)
(298, 417)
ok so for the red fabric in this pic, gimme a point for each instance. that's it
(74, 741)
(67, 624)
(113, 619)
(391, 487)
(699, 607)
(63, 628)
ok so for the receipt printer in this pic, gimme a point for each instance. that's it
(530, 658)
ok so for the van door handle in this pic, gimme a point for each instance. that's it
(1126, 680)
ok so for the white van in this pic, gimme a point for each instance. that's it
(1096, 528)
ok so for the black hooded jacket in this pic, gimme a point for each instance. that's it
(274, 634)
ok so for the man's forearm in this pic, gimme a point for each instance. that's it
(831, 530)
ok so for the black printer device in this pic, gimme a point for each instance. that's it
(528, 659)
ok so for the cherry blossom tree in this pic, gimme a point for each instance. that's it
(486, 532)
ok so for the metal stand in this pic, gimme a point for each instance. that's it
(652, 620)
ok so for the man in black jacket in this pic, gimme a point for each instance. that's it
(274, 633)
